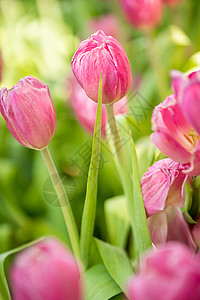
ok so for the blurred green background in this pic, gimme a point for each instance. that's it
(39, 38)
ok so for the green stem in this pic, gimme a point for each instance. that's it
(121, 162)
(89, 211)
(64, 202)
(161, 79)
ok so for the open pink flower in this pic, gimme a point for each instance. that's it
(85, 109)
(101, 53)
(187, 90)
(173, 135)
(45, 271)
(169, 273)
(162, 185)
(143, 14)
(29, 112)
(163, 192)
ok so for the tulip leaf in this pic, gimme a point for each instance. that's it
(4, 290)
(117, 220)
(141, 229)
(188, 203)
(99, 284)
(89, 211)
(116, 262)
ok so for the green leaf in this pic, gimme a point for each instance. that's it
(89, 211)
(141, 229)
(117, 220)
(99, 284)
(188, 203)
(4, 290)
(117, 263)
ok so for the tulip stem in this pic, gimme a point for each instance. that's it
(121, 162)
(64, 202)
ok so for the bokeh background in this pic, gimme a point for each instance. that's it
(39, 38)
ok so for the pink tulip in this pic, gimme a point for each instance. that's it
(162, 185)
(187, 89)
(45, 271)
(85, 109)
(143, 14)
(170, 225)
(171, 2)
(97, 54)
(169, 273)
(173, 135)
(29, 112)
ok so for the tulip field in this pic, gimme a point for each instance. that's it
(99, 150)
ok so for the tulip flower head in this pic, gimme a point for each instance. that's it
(29, 112)
(174, 136)
(187, 91)
(45, 271)
(162, 185)
(101, 53)
(169, 273)
(143, 14)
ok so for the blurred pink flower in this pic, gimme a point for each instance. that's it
(169, 273)
(29, 112)
(162, 185)
(143, 14)
(174, 136)
(45, 271)
(101, 53)
(109, 24)
(85, 109)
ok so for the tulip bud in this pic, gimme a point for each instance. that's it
(45, 271)
(143, 14)
(29, 112)
(168, 273)
(85, 109)
(97, 54)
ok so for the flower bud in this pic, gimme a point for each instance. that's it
(168, 273)
(101, 53)
(142, 14)
(85, 109)
(45, 271)
(29, 112)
